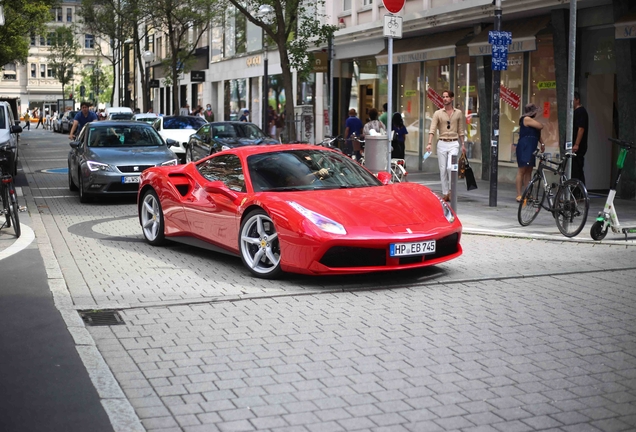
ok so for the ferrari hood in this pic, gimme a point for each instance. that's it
(399, 205)
(238, 142)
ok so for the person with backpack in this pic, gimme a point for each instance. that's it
(27, 120)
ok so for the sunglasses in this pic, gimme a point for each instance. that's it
(447, 124)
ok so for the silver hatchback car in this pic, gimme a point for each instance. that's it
(109, 156)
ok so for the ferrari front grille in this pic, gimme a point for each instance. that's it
(345, 256)
(444, 247)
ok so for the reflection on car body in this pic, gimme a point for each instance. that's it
(218, 136)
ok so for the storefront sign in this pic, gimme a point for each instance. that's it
(470, 89)
(435, 97)
(368, 66)
(546, 109)
(517, 46)
(418, 56)
(409, 93)
(625, 30)
(153, 83)
(253, 60)
(546, 85)
(321, 62)
(197, 76)
(510, 97)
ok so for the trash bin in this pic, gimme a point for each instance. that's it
(376, 153)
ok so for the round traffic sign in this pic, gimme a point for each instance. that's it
(393, 6)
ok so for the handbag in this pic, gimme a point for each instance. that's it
(471, 183)
(461, 166)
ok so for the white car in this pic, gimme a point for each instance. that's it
(149, 118)
(179, 129)
(9, 131)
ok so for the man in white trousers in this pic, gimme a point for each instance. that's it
(449, 122)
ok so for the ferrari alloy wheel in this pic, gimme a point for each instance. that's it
(151, 216)
(259, 245)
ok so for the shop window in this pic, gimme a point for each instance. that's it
(238, 97)
(466, 99)
(89, 41)
(543, 92)
(510, 111)
(361, 86)
(306, 90)
(408, 105)
(276, 93)
(436, 80)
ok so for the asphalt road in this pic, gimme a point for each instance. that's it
(519, 333)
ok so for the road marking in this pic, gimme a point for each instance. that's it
(26, 238)
(55, 196)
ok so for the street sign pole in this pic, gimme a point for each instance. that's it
(389, 102)
(494, 132)
(569, 130)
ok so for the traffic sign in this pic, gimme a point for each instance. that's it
(393, 26)
(393, 6)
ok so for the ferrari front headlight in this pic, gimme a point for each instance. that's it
(97, 166)
(322, 222)
(448, 213)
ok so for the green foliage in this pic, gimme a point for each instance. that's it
(22, 18)
(63, 54)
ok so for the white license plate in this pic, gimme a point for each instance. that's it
(130, 179)
(415, 248)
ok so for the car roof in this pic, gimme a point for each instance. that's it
(120, 123)
(260, 149)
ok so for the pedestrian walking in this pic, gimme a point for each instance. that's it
(208, 114)
(398, 140)
(40, 120)
(27, 120)
(579, 135)
(271, 121)
(81, 118)
(245, 115)
(449, 123)
(353, 125)
(529, 137)
(47, 119)
(385, 115)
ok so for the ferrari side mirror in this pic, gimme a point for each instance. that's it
(384, 177)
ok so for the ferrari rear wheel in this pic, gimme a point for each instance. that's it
(259, 245)
(151, 216)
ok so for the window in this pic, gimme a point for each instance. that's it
(254, 37)
(33, 70)
(89, 41)
(159, 51)
(69, 14)
(367, 2)
(42, 41)
(50, 72)
(226, 168)
(346, 5)
(9, 72)
(32, 40)
(240, 38)
(216, 51)
(49, 39)
(59, 14)
(42, 71)
(230, 36)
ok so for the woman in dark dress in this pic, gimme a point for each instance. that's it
(399, 136)
(529, 137)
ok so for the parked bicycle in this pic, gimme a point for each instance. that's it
(332, 142)
(8, 194)
(398, 166)
(568, 200)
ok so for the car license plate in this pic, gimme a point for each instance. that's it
(415, 248)
(130, 179)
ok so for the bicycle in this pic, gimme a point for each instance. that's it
(8, 195)
(608, 218)
(398, 166)
(568, 200)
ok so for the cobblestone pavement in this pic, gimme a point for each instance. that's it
(517, 334)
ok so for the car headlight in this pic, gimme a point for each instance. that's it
(448, 213)
(171, 162)
(322, 222)
(97, 166)
(224, 147)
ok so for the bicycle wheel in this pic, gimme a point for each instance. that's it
(571, 206)
(5, 204)
(531, 202)
(14, 212)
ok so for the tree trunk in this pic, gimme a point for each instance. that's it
(175, 86)
(142, 72)
(289, 93)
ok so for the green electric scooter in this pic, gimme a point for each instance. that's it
(608, 217)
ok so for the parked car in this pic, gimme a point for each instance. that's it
(218, 136)
(297, 208)
(109, 156)
(149, 118)
(178, 128)
(119, 113)
(9, 130)
(66, 121)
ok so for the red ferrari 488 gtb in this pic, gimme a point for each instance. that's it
(297, 208)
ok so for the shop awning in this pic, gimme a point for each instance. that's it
(524, 36)
(423, 48)
(626, 27)
(359, 49)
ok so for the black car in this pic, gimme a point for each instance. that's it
(218, 136)
(66, 121)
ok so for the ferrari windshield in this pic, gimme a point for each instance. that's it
(306, 170)
(128, 135)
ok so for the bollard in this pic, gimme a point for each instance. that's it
(453, 183)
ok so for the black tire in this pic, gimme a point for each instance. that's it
(83, 196)
(6, 205)
(151, 218)
(259, 245)
(14, 214)
(71, 184)
(531, 202)
(571, 206)
(597, 232)
(189, 156)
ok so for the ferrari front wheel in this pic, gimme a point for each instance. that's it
(259, 245)
(151, 216)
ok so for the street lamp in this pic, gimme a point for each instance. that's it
(148, 57)
(265, 14)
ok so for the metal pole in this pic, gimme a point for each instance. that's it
(571, 62)
(494, 132)
(389, 103)
(330, 84)
(265, 91)
(147, 92)
(453, 183)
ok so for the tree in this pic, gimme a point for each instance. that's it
(293, 25)
(63, 54)
(22, 18)
(178, 19)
